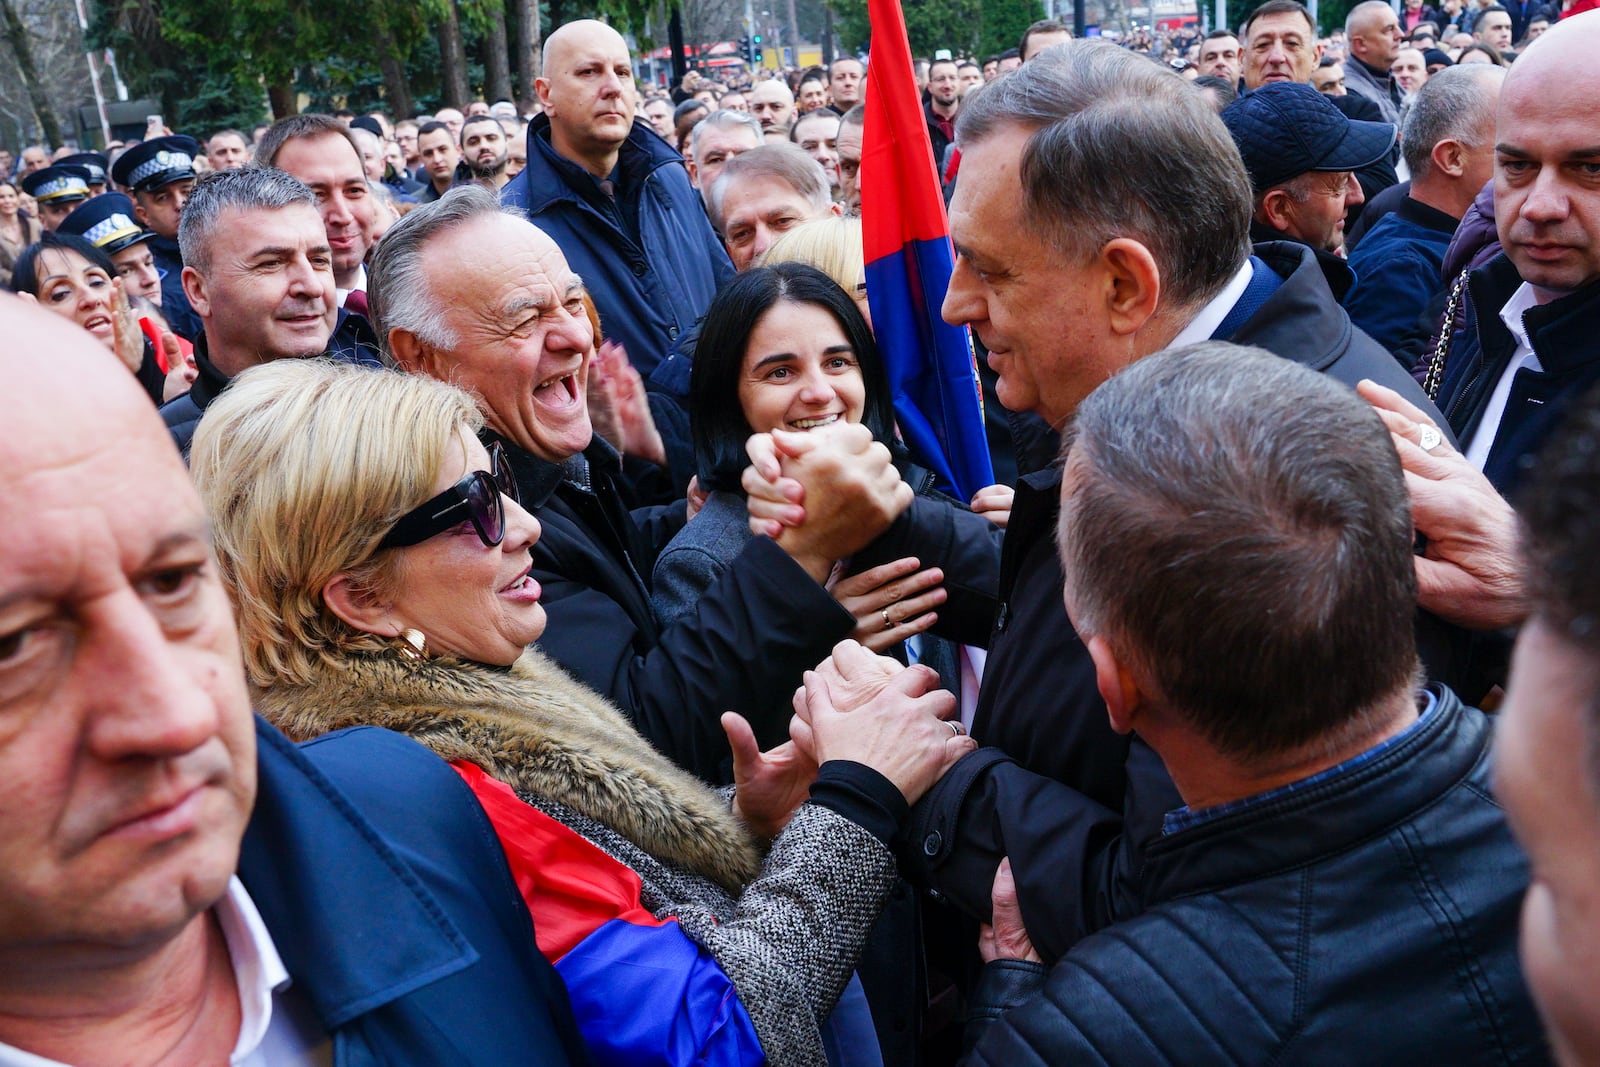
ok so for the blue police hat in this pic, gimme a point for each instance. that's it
(1286, 129)
(156, 162)
(96, 164)
(61, 183)
(107, 222)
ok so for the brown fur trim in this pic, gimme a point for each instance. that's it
(540, 732)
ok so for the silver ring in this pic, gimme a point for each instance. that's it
(888, 623)
(1429, 438)
(955, 726)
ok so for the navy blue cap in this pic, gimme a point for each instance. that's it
(1286, 129)
(96, 164)
(157, 162)
(60, 183)
(107, 222)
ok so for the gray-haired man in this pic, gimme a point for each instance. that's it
(258, 272)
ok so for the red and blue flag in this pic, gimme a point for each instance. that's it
(906, 238)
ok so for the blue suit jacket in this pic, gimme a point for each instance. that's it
(388, 897)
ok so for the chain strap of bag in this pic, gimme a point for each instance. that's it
(1447, 329)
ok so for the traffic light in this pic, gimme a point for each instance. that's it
(756, 43)
(744, 47)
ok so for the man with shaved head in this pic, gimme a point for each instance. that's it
(616, 197)
(1373, 31)
(179, 883)
(1527, 352)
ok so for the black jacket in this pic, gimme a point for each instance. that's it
(174, 301)
(353, 341)
(1370, 919)
(752, 635)
(1563, 336)
(1039, 703)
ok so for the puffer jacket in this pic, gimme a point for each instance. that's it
(1371, 918)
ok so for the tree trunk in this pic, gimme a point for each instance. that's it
(17, 34)
(794, 35)
(280, 98)
(396, 89)
(528, 39)
(452, 59)
(496, 58)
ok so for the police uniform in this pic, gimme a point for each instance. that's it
(107, 222)
(56, 186)
(96, 164)
(146, 167)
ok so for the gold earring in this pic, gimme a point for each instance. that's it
(412, 646)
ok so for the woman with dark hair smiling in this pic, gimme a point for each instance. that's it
(784, 348)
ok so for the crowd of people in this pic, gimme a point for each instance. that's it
(468, 600)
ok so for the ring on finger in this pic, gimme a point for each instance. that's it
(1429, 438)
(888, 623)
(955, 726)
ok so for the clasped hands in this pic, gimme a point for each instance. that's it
(854, 706)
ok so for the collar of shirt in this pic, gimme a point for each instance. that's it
(1186, 818)
(258, 972)
(1203, 325)
(1521, 300)
(361, 283)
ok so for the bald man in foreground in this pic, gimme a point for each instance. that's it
(178, 883)
(617, 198)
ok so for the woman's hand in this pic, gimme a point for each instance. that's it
(128, 337)
(890, 602)
(767, 786)
(627, 404)
(181, 369)
(993, 502)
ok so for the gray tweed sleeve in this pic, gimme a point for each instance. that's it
(797, 931)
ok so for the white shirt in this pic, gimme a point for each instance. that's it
(361, 283)
(276, 1025)
(1203, 325)
(1489, 426)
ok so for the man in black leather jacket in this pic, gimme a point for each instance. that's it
(1337, 884)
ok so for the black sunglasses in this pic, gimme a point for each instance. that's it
(480, 493)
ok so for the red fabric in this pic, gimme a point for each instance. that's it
(900, 195)
(149, 328)
(571, 887)
(1580, 7)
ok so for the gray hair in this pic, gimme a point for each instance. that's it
(398, 294)
(856, 116)
(253, 188)
(1236, 526)
(1456, 104)
(781, 160)
(1122, 147)
(722, 119)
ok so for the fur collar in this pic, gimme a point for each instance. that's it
(538, 731)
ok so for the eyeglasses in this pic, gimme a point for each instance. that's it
(481, 493)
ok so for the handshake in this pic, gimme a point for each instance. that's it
(854, 706)
(822, 495)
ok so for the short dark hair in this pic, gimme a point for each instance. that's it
(716, 420)
(296, 127)
(1279, 7)
(1227, 92)
(24, 272)
(1011, 53)
(1042, 26)
(478, 119)
(434, 127)
(1559, 510)
(1237, 527)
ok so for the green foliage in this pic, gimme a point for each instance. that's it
(972, 27)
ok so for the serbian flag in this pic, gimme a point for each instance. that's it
(906, 238)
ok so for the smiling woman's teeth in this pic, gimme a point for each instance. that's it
(811, 424)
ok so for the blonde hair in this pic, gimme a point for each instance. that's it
(304, 465)
(832, 245)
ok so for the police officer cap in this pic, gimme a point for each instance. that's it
(96, 164)
(107, 222)
(157, 162)
(61, 183)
